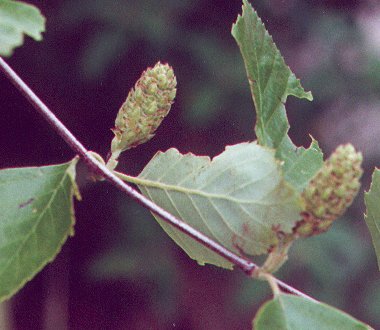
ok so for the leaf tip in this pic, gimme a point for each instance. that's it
(309, 96)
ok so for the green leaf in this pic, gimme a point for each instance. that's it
(372, 217)
(288, 312)
(300, 164)
(270, 79)
(36, 218)
(271, 82)
(16, 19)
(237, 199)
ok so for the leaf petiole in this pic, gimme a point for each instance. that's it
(260, 274)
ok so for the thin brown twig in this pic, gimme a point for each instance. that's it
(100, 169)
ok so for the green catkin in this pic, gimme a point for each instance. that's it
(146, 106)
(331, 191)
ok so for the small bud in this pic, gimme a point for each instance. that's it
(331, 191)
(146, 106)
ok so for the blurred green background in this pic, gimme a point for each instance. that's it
(120, 271)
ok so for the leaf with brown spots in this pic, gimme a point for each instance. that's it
(236, 198)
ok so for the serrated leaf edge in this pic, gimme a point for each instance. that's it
(70, 172)
(366, 196)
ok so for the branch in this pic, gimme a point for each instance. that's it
(96, 167)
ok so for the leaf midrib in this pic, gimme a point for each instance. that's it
(188, 191)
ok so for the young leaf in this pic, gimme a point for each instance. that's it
(36, 218)
(372, 218)
(271, 82)
(288, 312)
(17, 18)
(238, 198)
(300, 164)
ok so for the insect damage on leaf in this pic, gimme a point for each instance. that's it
(28, 202)
(271, 82)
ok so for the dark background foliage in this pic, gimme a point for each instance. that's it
(120, 271)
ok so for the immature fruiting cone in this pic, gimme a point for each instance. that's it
(144, 109)
(331, 191)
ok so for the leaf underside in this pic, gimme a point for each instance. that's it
(236, 199)
(17, 19)
(372, 217)
(271, 82)
(36, 218)
(288, 312)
